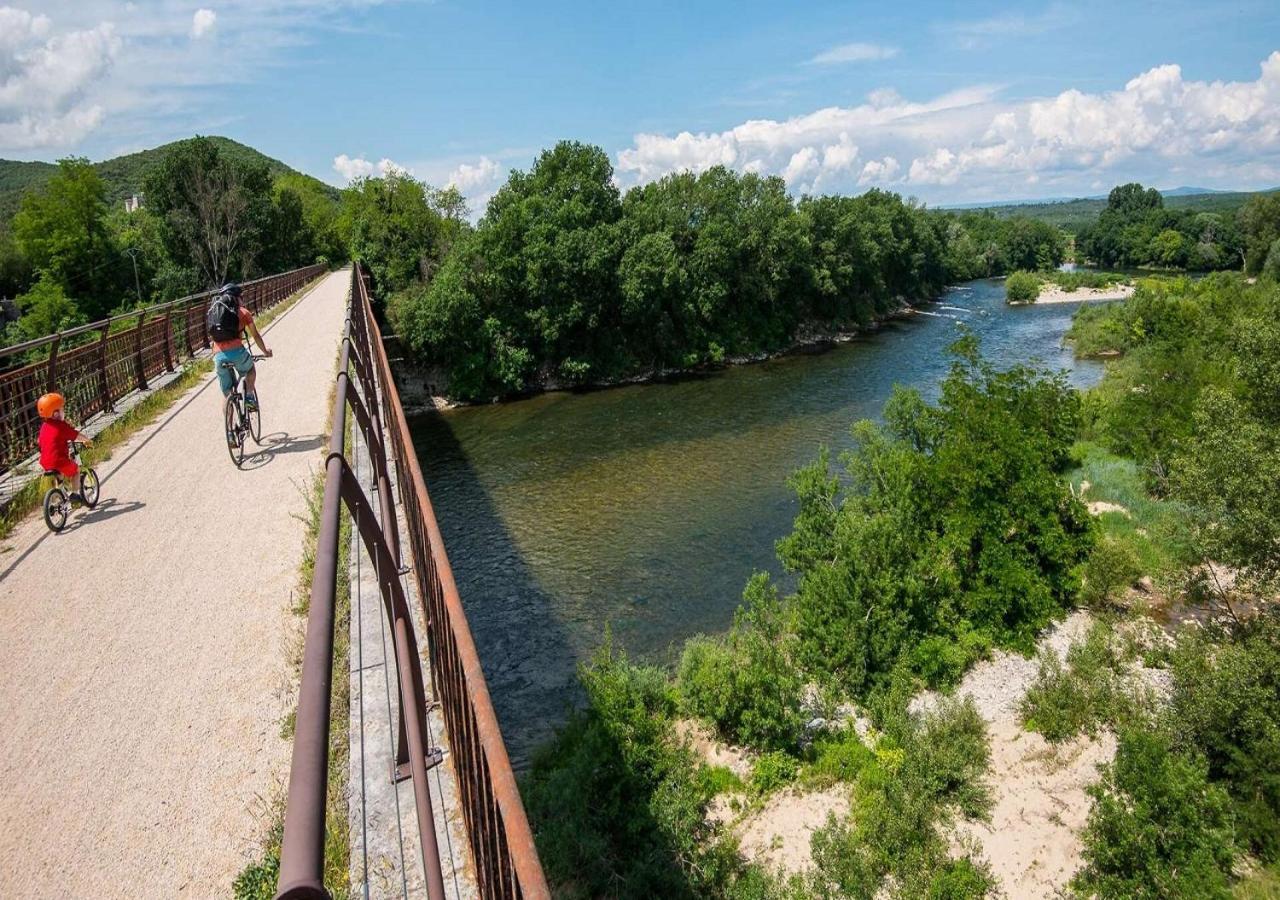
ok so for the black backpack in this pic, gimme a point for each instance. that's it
(223, 318)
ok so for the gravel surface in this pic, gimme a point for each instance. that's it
(142, 652)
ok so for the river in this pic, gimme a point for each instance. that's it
(644, 509)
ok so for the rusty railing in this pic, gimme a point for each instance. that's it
(506, 860)
(95, 365)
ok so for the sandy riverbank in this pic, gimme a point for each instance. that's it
(1052, 293)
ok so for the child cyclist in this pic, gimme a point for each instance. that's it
(56, 435)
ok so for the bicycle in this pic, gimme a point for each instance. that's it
(57, 500)
(239, 419)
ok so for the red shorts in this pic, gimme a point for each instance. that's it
(67, 468)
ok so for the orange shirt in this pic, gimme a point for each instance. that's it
(246, 318)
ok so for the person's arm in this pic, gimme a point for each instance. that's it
(71, 433)
(257, 337)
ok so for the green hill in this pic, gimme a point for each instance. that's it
(1073, 215)
(124, 175)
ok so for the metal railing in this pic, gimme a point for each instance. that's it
(506, 860)
(97, 364)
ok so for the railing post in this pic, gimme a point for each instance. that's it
(168, 340)
(52, 380)
(186, 330)
(139, 367)
(104, 383)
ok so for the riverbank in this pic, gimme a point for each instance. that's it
(415, 383)
(1052, 293)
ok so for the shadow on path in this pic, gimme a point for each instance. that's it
(280, 442)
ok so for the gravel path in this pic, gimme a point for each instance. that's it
(142, 651)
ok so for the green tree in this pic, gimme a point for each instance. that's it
(62, 231)
(1260, 223)
(956, 525)
(389, 225)
(45, 309)
(216, 209)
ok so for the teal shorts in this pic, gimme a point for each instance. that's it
(240, 357)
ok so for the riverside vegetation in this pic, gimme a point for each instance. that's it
(954, 529)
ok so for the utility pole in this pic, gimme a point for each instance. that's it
(133, 255)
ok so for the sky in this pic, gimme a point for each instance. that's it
(947, 102)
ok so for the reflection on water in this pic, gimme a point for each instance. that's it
(645, 509)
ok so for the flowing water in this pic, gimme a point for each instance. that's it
(645, 509)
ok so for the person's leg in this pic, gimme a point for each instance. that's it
(225, 379)
(249, 372)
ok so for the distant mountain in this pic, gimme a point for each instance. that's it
(124, 175)
(1189, 191)
(1077, 213)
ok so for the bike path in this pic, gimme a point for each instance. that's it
(144, 651)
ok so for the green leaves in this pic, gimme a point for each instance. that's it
(955, 531)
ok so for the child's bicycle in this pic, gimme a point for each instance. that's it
(57, 500)
(240, 420)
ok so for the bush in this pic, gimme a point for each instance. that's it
(925, 767)
(1112, 567)
(1086, 694)
(1226, 705)
(746, 682)
(617, 805)
(773, 770)
(1022, 287)
(1158, 827)
(838, 757)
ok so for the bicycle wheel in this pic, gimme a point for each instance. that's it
(235, 428)
(255, 424)
(55, 509)
(91, 488)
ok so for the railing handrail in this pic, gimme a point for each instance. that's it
(518, 834)
(140, 311)
(503, 850)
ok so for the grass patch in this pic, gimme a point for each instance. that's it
(1155, 531)
(1263, 884)
(1091, 691)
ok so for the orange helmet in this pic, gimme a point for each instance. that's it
(49, 404)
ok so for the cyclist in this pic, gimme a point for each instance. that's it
(228, 320)
(56, 434)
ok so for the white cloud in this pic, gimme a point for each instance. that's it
(468, 178)
(45, 79)
(971, 143)
(979, 33)
(855, 52)
(202, 22)
(767, 145)
(133, 74)
(351, 168)
(879, 171)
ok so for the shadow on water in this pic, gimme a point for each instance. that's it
(526, 655)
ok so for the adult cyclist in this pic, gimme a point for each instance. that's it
(228, 320)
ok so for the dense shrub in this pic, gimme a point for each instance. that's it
(1158, 827)
(1226, 705)
(1089, 692)
(1022, 287)
(1111, 568)
(955, 526)
(746, 682)
(925, 769)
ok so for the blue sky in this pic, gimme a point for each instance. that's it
(947, 102)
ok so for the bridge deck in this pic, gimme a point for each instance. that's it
(143, 671)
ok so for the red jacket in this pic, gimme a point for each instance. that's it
(55, 435)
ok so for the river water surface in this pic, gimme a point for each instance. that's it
(645, 509)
